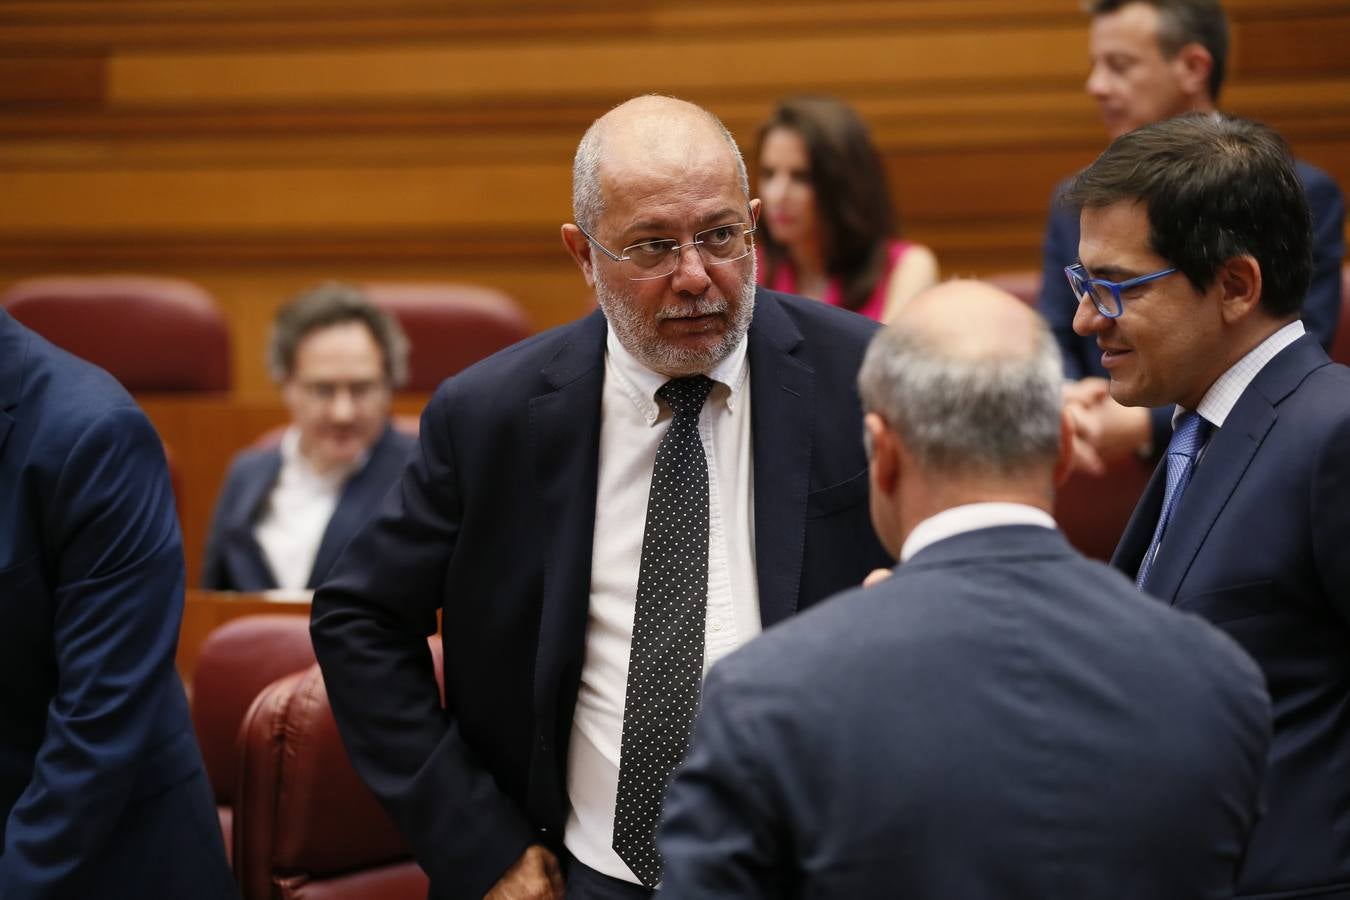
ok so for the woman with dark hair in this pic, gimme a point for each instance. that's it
(830, 231)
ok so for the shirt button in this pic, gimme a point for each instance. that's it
(717, 626)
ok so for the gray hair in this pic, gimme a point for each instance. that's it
(335, 303)
(966, 414)
(588, 200)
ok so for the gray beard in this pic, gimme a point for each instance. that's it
(639, 337)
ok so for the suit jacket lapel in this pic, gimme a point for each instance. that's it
(359, 496)
(564, 430)
(1226, 458)
(782, 391)
(1138, 532)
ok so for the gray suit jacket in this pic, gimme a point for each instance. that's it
(1002, 718)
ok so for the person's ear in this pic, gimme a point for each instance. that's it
(754, 211)
(1193, 65)
(885, 461)
(579, 248)
(1238, 283)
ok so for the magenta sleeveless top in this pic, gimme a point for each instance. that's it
(785, 280)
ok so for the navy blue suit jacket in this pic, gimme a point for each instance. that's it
(234, 559)
(102, 790)
(1321, 309)
(1001, 718)
(493, 526)
(1258, 545)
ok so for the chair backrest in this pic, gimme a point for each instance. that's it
(1024, 284)
(237, 661)
(305, 824)
(1340, 346)
(449, 326)
(151, 334)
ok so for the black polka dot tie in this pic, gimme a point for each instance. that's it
(665, 664)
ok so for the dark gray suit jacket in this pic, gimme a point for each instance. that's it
(493, 527)
(1002, 718)
(234, 559)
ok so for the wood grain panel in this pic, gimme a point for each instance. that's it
(706, 67)
(75, 79)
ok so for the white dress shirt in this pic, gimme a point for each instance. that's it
(632, 424)
(1223, 394)
(297, 513)
(971, 517)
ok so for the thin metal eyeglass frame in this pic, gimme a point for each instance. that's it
(675, 251)
(1079, 282)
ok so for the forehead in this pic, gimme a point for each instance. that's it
(785, 147)
(674, 183)
(346, 349)
(1115, 240)
(1131, 29)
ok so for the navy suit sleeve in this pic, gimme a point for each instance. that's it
(370, 622)
(1322, 309)
(721, 835)
(1057, 303)
(115, 555)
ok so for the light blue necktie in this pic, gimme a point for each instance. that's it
(1187, 439)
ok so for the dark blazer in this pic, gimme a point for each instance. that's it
(234, 558)
(493, 526)
(102, 790)
(1258, 545)
(1321, 309)
(1002, 718)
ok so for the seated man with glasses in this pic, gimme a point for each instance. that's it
(599, 514)
(1196, 253)
(288, 509)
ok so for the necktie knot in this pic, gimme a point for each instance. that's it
(1189, 436)
(686, 395)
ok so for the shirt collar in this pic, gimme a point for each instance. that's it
(640, 383)
(971, 517)
(1223, 394)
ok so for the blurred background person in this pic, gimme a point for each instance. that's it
(828, 228)
(1151, 60)
(287, 509)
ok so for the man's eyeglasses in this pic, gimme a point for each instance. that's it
(658, 258)
(1105, 295)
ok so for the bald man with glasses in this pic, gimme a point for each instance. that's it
(599, 514)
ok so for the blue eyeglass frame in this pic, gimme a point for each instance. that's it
(1079, 282)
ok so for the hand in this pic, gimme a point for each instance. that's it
(1112, 431)
(535, 876)
(876, 576)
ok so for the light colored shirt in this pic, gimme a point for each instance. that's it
(1223, 394)
(633, 422)
(297, 512)
(971, 517)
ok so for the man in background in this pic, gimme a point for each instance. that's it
(999, 718)
(102, 789)
(599, 513)
(287, 510)
(1152, 59)
(1196, 253)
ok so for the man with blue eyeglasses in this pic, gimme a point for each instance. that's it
(1193, 265)
(599, 514)
(1151, 59)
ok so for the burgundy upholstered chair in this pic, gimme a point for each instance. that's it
(237, 661)
(151, 334)
(306, 827)
(1340, 346)
(449, 326)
